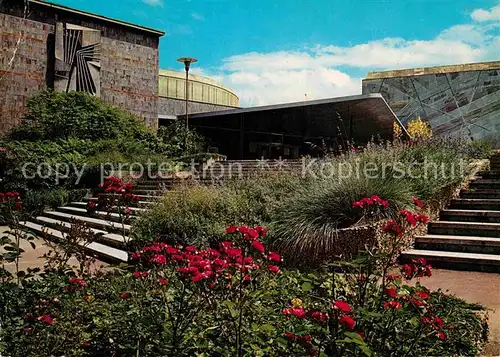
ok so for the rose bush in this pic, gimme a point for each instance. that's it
(235, 300)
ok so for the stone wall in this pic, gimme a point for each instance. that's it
(23, 65)
(170, 106)
(129, 60)
(459, 101)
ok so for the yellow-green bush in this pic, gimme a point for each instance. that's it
(419, 129)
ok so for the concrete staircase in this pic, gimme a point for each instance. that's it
(111, 234)
(467, 236)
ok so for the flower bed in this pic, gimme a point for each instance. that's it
(235, 299)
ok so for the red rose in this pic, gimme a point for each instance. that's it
(392, 227)
(139, 274)
(418, 202)
(438, 321)
(76, 281)
(253, 234)
(393, 304)
(422, 295)
(273, 268)
(319, 316)
(290, 335)
(342, 306)
(159, 259)
(417, 303)
(162, 281)
(347, 321)
(46, 319)
(125, 295)
(391, 292)
(225, 245)
(233, 252)
(231, 229)
(274, 257)
(441, 335)
(407, 270)
(171, 250)
(258, 245)
(357, 204)
(243, 229)
(261, 230)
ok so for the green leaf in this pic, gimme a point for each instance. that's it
(414, 321)
(282, 342)
(307, 286)
(231, 307)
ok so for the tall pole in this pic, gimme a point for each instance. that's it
(187, 63)
(187, 98)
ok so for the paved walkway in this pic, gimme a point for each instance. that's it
(481, 288)
(33, 258)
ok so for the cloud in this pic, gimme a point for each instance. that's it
(153, 2)
(197, 16)
(282, 86)
(484, 15)
(327, 70)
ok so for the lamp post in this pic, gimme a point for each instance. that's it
(187, 63)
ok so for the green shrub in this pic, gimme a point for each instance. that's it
(56, 115)
(82, 131)
(36, 201)
(198, 214)
(181, 141)
(194, 214)
(480, 149)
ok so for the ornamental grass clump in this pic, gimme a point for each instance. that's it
(313, 221)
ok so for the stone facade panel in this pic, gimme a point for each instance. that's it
(129, 61)
(457, 101)
(23, 65)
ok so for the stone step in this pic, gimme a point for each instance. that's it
(480, 194)
(465, 229)
(480, 245)
(140, 204)
(108, 216)
(488, 184)
(112, 239)
(135, 210)
(104, 225)
(458, 215)
(98, 250)
(147, 192)
(455, 260)
(476, 204)
(141, 197)
(489, 174)
(152, 187)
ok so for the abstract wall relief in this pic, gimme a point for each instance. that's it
(459, 104)
(77, 59)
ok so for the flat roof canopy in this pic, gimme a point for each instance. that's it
(334, 121)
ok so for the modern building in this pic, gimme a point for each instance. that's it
(45, 45)
(460, 100)
(205, 95)
(293, 130)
